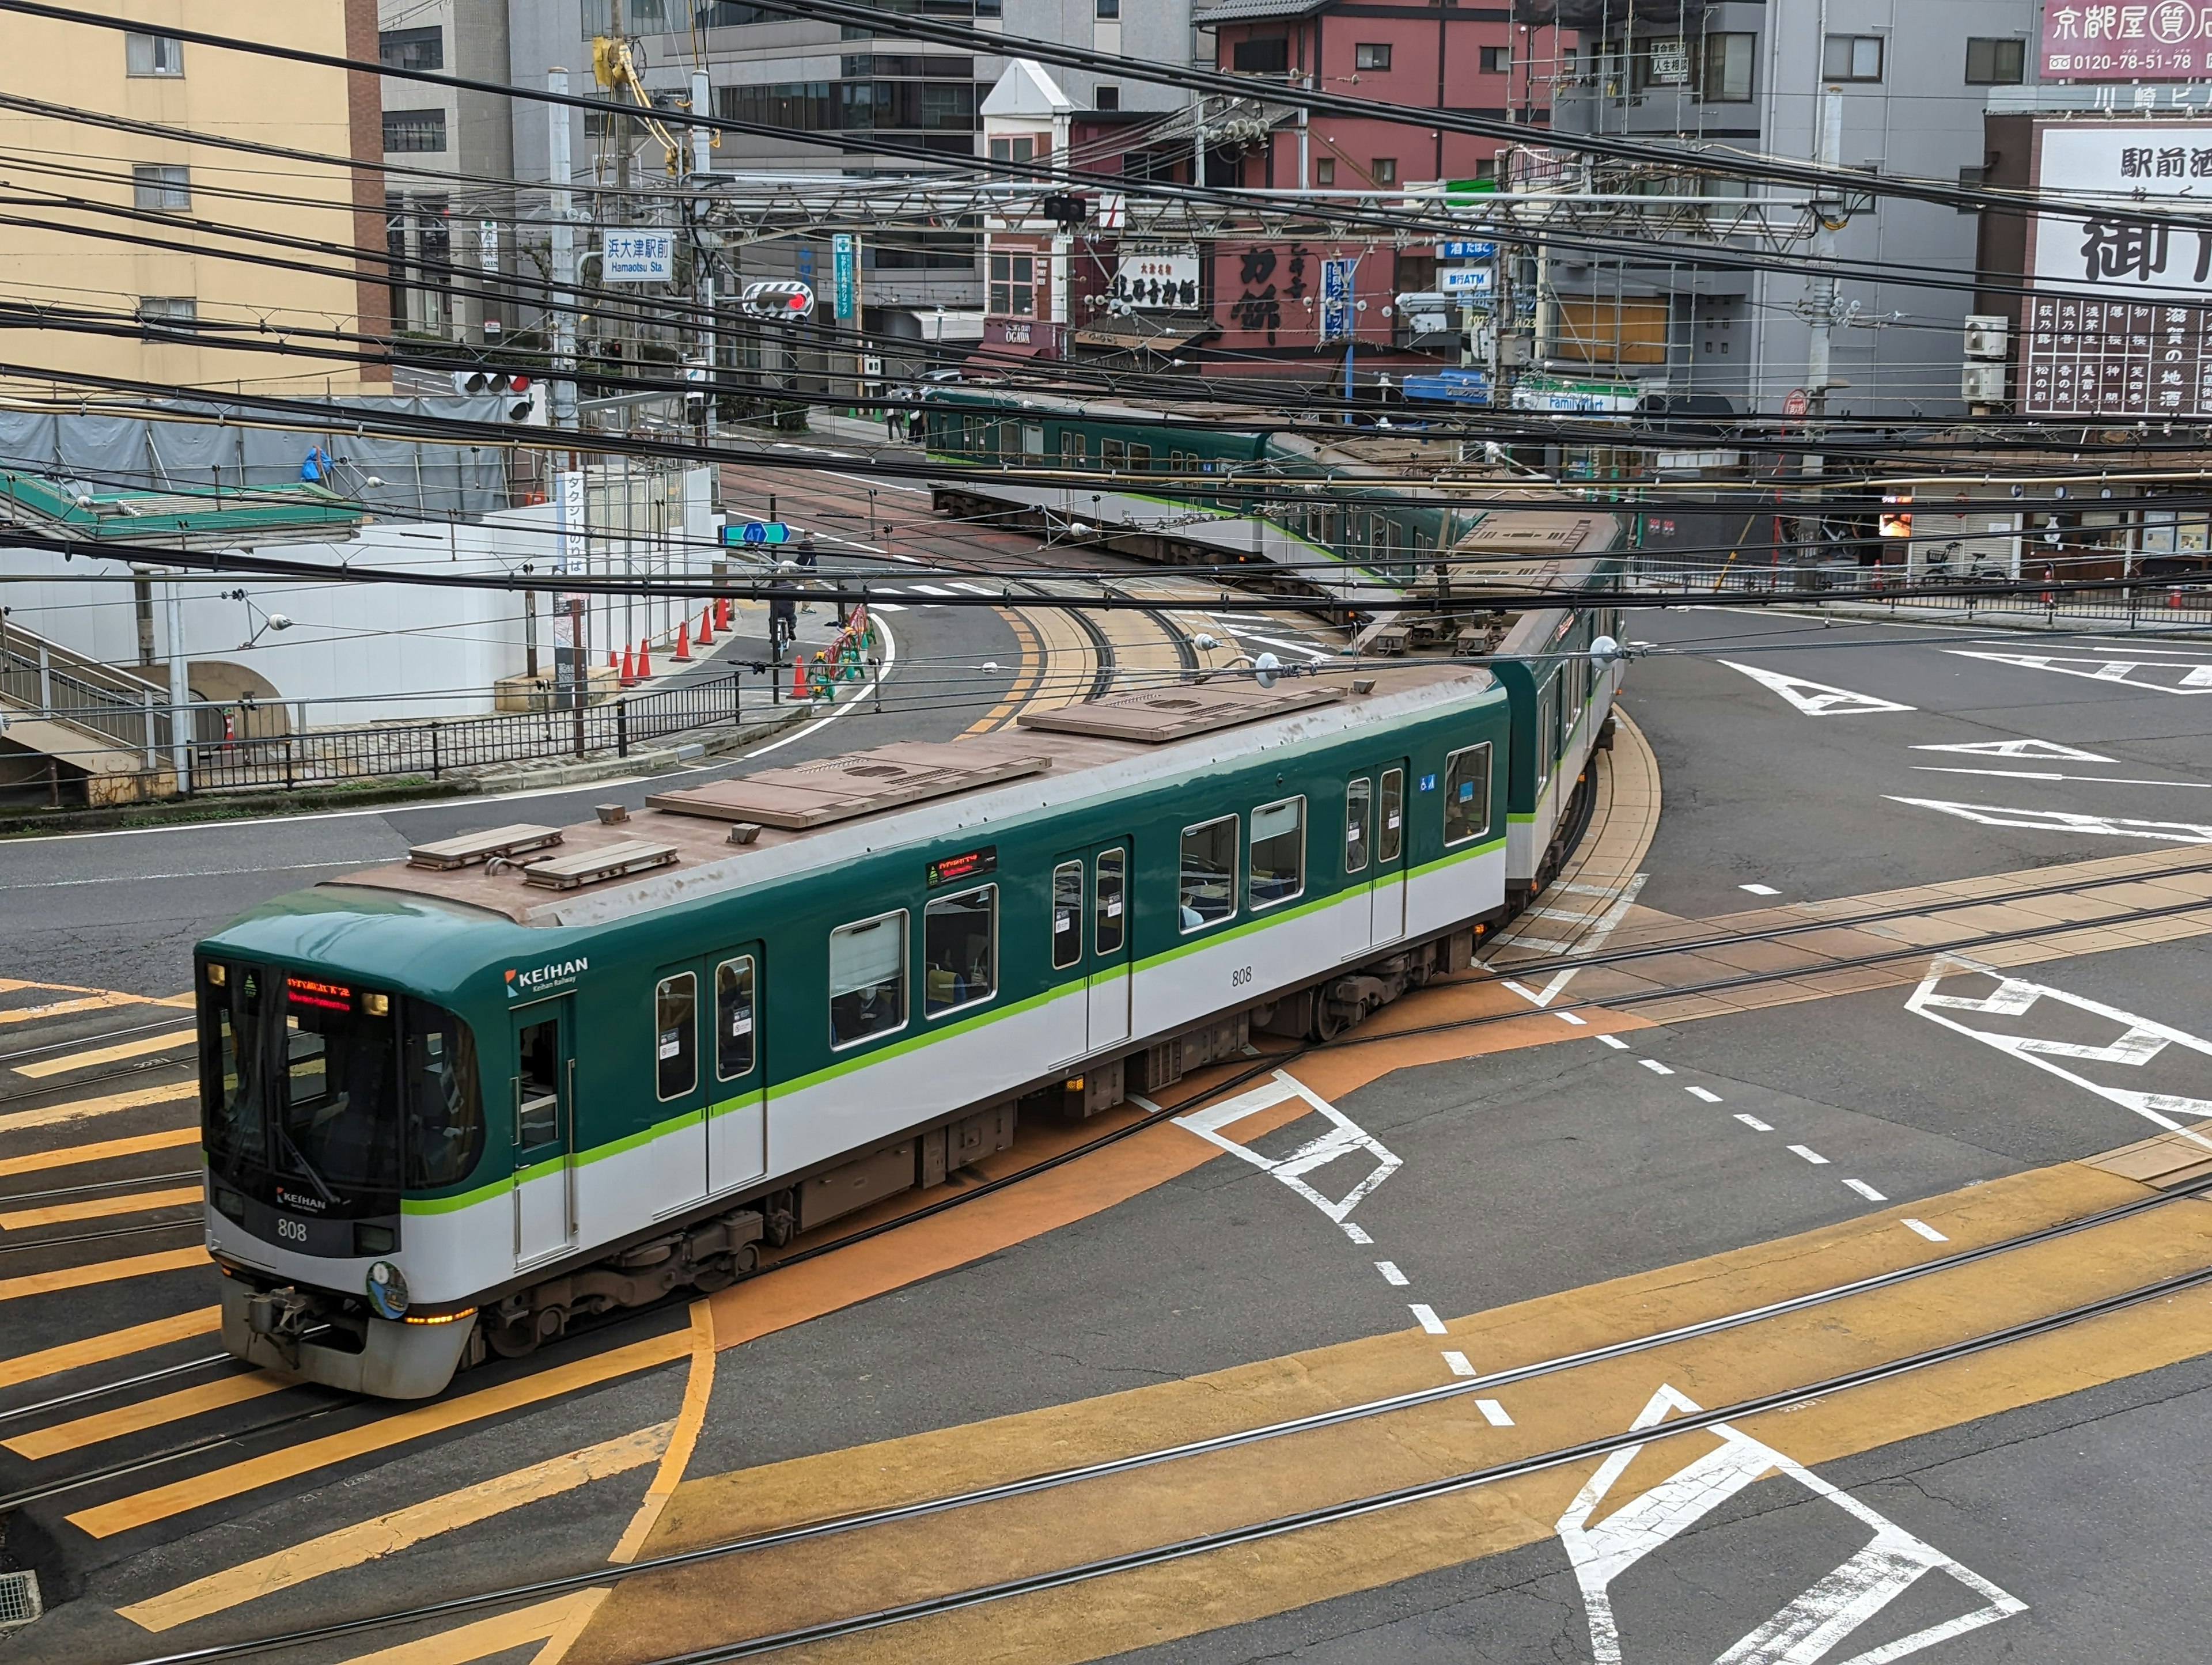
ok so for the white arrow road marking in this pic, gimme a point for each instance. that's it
(2021, 749)
(2041, 774)
(1816, 699)
(2195, 678)
(1343, 1138)
(1998, 815)
(1817, 1621)
(1590, 942)
(2142, 1040)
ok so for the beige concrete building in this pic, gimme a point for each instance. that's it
(150, 238)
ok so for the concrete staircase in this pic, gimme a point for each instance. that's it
(88, 732)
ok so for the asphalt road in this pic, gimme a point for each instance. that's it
(1522, 1174)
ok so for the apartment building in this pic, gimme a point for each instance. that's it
(169, 182)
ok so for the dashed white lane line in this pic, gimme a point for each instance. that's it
(1427, 1315)
(1655, 1067)
(1458, 1364)
(1866, 1190)
(928, 589)
(1700, 1093)
(1759, 890)
(1927, 1231)
(1753, 1123)
(885, 607)
(1810, 1154)
(1493, 1413)
(973, 589)
(1355, 1233)
(1569, 1017)
(1614, 1042)
(1391, 1275)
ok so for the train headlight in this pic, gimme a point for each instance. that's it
(388, 1290)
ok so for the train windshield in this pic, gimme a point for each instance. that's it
(321, 1097)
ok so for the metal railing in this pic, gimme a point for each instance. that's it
(38, 677)
(435, 748)
(2147, 603)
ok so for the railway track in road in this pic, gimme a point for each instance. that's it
(1373, 1411)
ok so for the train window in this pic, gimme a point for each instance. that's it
(1141, 458)
(1466, 794)
(445, 1105)
(1067, 914)
(1278, 853)
(676, 1034)
(733, 1018)
(959, 950)
(1109, 919)
(538, 1085)
(237, 1129)
(1113, 453)
(867, 978)
(1547, 712)
(1033, 441)
(338, 1118)
(1206, 883)
(1390, 836)
(1358, 816)
(1071, 448)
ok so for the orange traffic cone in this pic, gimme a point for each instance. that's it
(613, 662)
(721, 612)
(707, 627)
(645, 661)
(798, 677)
(628, 677)
(683, 654)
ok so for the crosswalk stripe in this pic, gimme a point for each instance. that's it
(101, 1271)
(144, 1508)
(556, 1622)
(70, 1156)
(94, 1208)
(95, 1000)
(197, 1401)
(78, 1061)
(81, 1110)
(387, 1534)
(116, 1344)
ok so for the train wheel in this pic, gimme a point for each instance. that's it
(515, 1340)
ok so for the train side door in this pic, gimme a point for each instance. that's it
(1387, 895)
(678, 1151)
(737, 1108)
(1110, 972)
(543, 1100)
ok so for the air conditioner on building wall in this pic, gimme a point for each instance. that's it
(1986, 336)
(1982, 384)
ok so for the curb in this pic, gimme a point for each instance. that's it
(2142, 625)
(656, 760)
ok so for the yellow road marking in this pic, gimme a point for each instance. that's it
(147, 1413)
(94, 1208)
(137, 1048)
(71, 1155)
(697, 1387)
(1025, 678)
(79, 1109)
(142, 1509)
(101, 1271)
(768, 1591)
(387, 1534)
(116, 1344)
(91, 1000)
(556, 1623)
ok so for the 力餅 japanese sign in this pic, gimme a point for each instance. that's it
(2166, 40)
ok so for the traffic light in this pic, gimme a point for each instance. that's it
(519, 392)
(1067, 211)
(792, 302)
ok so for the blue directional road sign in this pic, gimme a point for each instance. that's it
(757, 532)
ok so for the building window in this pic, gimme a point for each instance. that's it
(1013, 285)
(1496, 60)
(652, 17)
(1268, 57)
(960, 950)
(1325, 171)
(1970, 179)
(1109, 97)
(1013, 150)
(1725, 68)
(414, 129)
(1109, 11)
(169, 309)
(1384, 170)
(152, 55)
(1371, 55)
(1851, 57)
(868, 979)
(159, 187)
(1996, 63)
(412, 49)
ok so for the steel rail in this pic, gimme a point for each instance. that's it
(8, 1058)
(1364, 1410)
(8, 1198)
(194, 1223)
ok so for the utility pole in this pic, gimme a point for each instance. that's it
(1820, 300)
(181, 693)
(702, 142)
(563, 297)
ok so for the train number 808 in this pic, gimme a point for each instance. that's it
(296, 1230)
(1240, 976)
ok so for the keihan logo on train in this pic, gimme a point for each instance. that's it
(544, 979)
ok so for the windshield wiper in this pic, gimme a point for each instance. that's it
(307, 1168)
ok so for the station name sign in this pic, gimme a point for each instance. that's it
(968, 863)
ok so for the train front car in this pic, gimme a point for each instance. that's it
(344, 1117)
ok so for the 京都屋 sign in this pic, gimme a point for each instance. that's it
(2169, 41)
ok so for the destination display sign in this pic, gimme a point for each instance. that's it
(968, 863)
